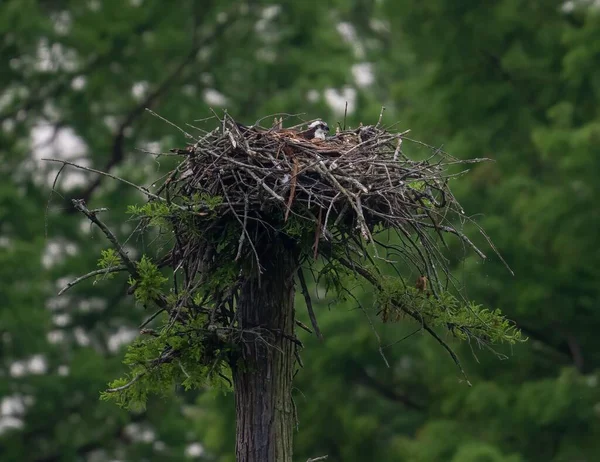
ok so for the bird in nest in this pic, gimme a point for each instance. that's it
(317, 130)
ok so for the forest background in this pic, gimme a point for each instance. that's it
(516, 82)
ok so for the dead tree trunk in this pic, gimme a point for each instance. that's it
(263, 376)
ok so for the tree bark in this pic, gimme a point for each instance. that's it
(263, 374)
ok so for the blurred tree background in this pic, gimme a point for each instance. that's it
(517, 82)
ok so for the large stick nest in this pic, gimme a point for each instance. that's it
(239, 190)
(344, 190)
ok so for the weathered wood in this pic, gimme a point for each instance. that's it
(263, 376)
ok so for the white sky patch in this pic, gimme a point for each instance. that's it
(336, 99)
(140, 90)
(152, 146)
(204, 53)
(313, 96)
(58, 303)
(123, 336)
(18, 369)
(56, 336)
(51, 113)
(194, 450)
(61, 319)
(12, 405)
(78, 83)
(132, 252)
(264, 25)
(37, 364)
(6, 98)
(56, 250)
(570, 6)
(159, 446)
(61, 282)
(52, 142)
(62, 22)
(136, 3)
(12, 409)
(112, 122)
(85, 227)
(379, 25)
(363, 74)
(348, 34)
(63, 143)
(94, 5)
(138, 432)
(222, 17)
(10, 423)
(81, 337)
(214, 98)
(54, 58)
(91, 304)
(8, 125)
(63, 370)
(270, 12)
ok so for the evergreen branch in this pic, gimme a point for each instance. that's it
(126, 386)
(373, 280)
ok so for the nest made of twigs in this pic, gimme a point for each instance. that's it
(263, 182)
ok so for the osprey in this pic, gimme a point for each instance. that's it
(317, 130)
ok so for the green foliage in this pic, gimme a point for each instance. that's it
(335, 278)
(164, 360)
(157, 212)
(148, 286)
(109, 258)
(465, 320)
(298, 228)
(203, 201)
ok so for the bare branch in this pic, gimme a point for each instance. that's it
(79, 204)
(309, 307)
(112, 269)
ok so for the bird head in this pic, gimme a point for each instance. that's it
(321, 129)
